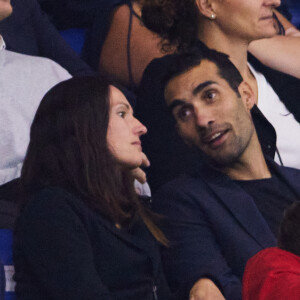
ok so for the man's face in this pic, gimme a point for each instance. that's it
(5, 9)
(209, 114)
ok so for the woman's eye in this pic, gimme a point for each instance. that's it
(122, 114)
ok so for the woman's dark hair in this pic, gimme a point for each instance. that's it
(176, 21)
(289, 231)
(68, 148)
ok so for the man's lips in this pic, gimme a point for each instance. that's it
(216, 138)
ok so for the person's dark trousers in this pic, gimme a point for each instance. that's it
(9, 198)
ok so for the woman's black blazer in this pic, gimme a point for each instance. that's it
(65, 250)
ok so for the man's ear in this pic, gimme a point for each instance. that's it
(206, 8)
(247, 94)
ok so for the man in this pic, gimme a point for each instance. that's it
(230, 208)
(23, 82)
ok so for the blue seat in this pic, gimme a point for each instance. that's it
(2, 281)
(75, 37)
(294, 9)
(6, 241)
(296, 16)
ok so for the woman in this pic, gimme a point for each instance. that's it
(121, 46)
(83, 233)
(228, 26)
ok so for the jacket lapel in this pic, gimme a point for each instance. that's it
(138, 241)
(290, 176)
(142, 239)
(240, 204)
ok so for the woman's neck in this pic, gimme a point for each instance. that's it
(236, 47)
(210, 34)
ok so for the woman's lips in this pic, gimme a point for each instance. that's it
(138, 144)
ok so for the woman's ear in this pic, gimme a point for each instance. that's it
(247, 95)
(206, 8)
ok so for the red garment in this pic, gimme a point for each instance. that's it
(272, 274)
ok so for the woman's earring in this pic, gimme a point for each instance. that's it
(213, 16)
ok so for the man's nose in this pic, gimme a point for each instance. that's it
(204, 118)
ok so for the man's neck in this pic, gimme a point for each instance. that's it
(251, 165)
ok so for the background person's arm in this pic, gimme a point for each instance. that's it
(281, 53)
(205, 289)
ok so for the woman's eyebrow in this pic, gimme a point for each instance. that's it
(124, 104)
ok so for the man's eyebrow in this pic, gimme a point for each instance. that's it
(201, 86)
(175, 103)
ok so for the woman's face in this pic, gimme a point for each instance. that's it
(246, 19)
(124, 131)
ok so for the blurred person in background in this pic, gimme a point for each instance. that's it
(274, 273)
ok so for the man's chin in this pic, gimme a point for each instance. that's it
(222, 160)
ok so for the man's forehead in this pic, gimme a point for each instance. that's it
(186, 82)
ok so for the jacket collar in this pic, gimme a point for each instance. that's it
(138, 241)
(290, 176)
(2, 50)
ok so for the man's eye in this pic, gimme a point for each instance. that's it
(121, 114)
(184, 113)
(210, 95)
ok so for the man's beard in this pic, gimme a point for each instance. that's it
(226, 158)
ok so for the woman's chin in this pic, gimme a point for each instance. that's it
(132, 164)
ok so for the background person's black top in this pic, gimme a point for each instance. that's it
(271, 196)
(9, 199)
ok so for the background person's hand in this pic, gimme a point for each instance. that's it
(205, 289)
(138, 173)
